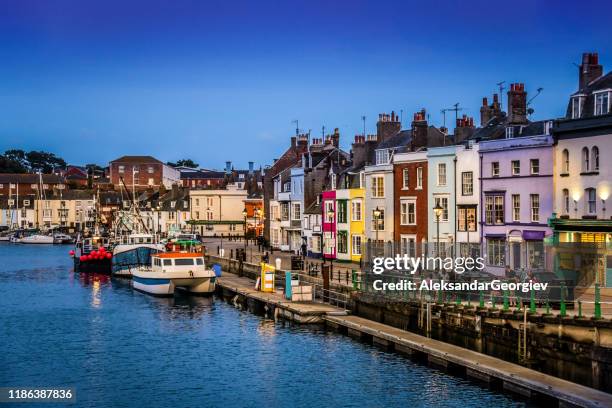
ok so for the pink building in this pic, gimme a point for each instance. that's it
(329, 224)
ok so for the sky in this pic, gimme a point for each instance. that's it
(224, 80)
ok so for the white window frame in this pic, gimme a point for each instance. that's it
(440, 199)
(356, 209)
(405, 204)
(405, 179)
(495, 165)
(442, 175)
(534, 200)
(580, 99)
(599, 108)
(382, 156)
(531, 166)
(378, 186)
(419, 179)
(516, 207)
(516, 171)
(356, 243)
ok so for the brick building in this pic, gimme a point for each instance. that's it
(410, 204)
(27, 184)
(142, 172)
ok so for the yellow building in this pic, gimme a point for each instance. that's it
(72, 209)
(350, 224)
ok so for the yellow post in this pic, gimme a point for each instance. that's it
(267, 277)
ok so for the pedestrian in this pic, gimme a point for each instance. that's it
(304, 249)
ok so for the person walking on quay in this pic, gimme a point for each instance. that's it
(304, 249)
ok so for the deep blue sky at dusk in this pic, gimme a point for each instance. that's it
(216, 81)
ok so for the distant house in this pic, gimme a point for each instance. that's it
(28, 184)
(142, 172)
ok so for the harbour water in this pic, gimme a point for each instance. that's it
(121, 348)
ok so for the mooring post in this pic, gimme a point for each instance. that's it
(580, 308)
(532, 305)
(506, 303)
(597, 302)
(562, 308)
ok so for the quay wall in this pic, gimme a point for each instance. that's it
(578, 350)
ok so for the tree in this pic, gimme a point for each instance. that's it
(9, 165)
(184, 163)
(43, 161)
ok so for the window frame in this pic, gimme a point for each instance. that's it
(464, 191)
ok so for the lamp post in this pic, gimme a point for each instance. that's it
(377, 213)
(438, 212)
(244, 214)
(158, 208)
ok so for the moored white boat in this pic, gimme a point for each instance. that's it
(171, 270)
(133, 251)
(37, 239)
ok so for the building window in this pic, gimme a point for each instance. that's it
(419, 180)
(356, 247)
(495, 169)
(566, 201)
(405, 179)
(595, 158)
(378, 187)
(26, 203)
(466, 219)
(341, 210)
(380, 221)
(577, 107)
(356, 210)
(408, 245)
(441, 174)
(565, 161)
(602, 103)
(494, 209)
(496, 254)
(585, 159)
(408, 212)
(285, 211)
(535, 207)
(442, 202)
(382, 156)
(591, 200)
(150, 169)
(151, 182)
(535, 166)
(467, 183)
(516, 207)
(121, 169)
(361, 180)
(333, 181)
(342, 242)
(296, 214)
(516, 167)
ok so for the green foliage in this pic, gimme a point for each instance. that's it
(19, 161)
(184, 163)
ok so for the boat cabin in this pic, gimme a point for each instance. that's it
(178, 261)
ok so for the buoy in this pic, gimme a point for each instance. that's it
(71, 252)
(82, 258)
(109, 255)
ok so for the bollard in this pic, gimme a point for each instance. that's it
(562, 307)
(547, 307)
(580, 309)
(481, 300)
(532, 305)
(597, 302)
(506, 303)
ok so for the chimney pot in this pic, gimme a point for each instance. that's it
(485, 102)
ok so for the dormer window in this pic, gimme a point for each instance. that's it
(382, 156)
(602, 102)
(577, 105)
(509, 132)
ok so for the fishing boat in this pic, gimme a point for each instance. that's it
(92, 255)
(61, 238)
(171, 270)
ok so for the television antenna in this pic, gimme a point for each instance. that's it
(501, 87)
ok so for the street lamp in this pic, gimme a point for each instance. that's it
(377, 213)
(158, 208)
(244, 214)
(438, 212)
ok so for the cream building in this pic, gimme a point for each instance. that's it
(218, 212)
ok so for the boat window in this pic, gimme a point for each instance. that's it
(148, 240)
(199, 261)
(167, 262)
(183, 261)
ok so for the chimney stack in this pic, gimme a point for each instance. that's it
(465, 128)
(590, 69)
(419, 129)
(228, 167)
(488, 112)
(517, 104)
(387, 126)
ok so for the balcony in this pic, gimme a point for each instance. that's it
(284, 196)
